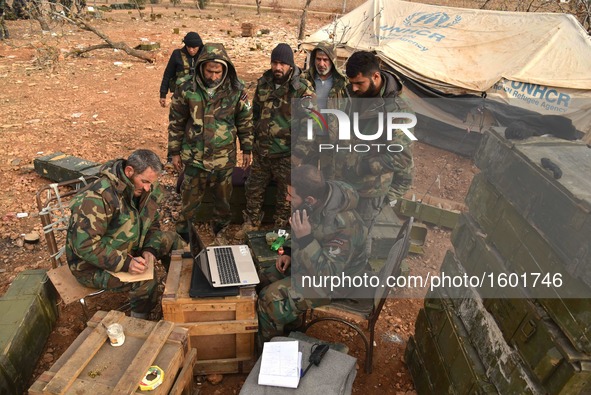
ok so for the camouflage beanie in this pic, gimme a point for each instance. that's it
(283, 53)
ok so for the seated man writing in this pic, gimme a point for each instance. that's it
(328, 240)
(114, 226)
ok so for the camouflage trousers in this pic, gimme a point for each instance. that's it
(280, 305)
(262, 171)
(193, 189)
(142, 294)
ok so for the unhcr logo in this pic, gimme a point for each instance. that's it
(431, 19)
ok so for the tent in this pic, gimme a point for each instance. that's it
(523, 63)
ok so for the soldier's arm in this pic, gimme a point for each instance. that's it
(178, 118)
(403, 174)
(87, 231)
(327, 259)
(244, 126)
(153, 238)
(169, 73)
(256, 107)
(302, 148)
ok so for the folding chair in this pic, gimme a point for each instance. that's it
(347, 310)
(53, 205)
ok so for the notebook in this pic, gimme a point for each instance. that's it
(227, 266)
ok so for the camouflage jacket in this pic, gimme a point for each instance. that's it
(338, 94)
(204, 123)
(272, 113)
(107, 222)
(337, 243)
(375, 172)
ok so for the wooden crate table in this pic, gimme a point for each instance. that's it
(222, 329)
(92, 366)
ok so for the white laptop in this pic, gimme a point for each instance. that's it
(227, 266)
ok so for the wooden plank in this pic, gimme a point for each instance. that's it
(185, 379)
(67, 286)
(60, 383)
(144, 358)
(173, 278)
(244, 345)
(220, 327)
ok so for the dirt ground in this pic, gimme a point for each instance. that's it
(105, 105)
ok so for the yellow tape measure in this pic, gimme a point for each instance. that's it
(153, 378)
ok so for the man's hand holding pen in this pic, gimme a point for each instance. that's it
(138, 265)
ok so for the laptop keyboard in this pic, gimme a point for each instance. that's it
(226, 265)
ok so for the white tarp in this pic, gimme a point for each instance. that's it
(537, 61)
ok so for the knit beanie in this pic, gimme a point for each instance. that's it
(193, 39)
(283, 53)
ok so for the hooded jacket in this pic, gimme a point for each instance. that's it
(336, 245)
(338, 94)
(373, 172)
(272, 113)
(179, 65)
(107, 223)
(204, 122)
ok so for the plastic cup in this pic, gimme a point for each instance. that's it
(116, 335)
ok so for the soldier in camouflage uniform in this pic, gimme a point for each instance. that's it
(328, 240)
(330, 87)
(116, 218)
(376, 175)
(272, 136)
(207, 113)
(3, 30)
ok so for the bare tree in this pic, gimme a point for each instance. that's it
(302, 32)
(258, 6)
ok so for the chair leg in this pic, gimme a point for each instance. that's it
(369, 351)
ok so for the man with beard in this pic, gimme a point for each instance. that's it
(272, 114)
(207, 113)
(375, 174)
(181, 63)
(328, 240)
(331, 92)
(115, 226)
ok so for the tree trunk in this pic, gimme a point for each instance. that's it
(302, 32)
(258, 7)
(109, 43)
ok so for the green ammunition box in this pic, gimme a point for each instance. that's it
(431, 211)
(481, 261)
(416, 366)
(504, 367)
(527, 252)
(433, 361)
(549, 354)
(465, 368)
(28, 310)
(560, 209)
(60, 167)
